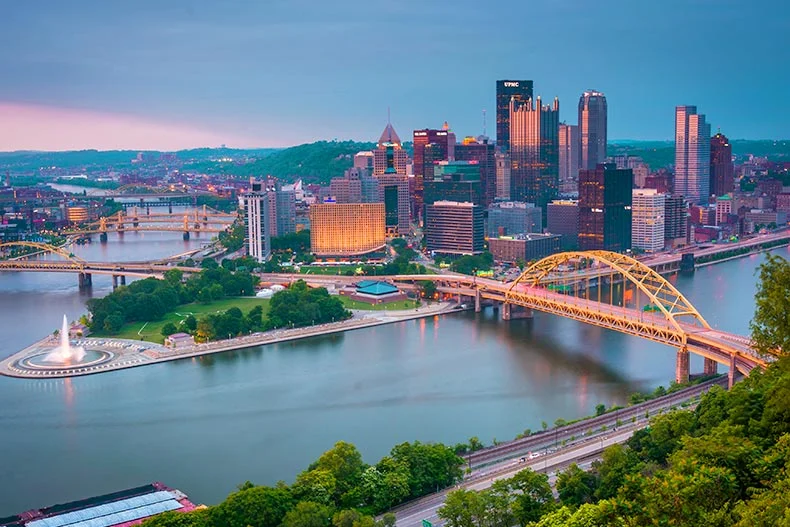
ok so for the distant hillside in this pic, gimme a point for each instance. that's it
(314, 162)
(660, 154)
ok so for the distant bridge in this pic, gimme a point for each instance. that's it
(131, 221)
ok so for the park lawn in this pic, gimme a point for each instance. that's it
(392, 306)
(152, 331)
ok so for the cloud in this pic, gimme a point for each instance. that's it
(34, 127)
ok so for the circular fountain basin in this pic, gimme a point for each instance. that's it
(38, 361)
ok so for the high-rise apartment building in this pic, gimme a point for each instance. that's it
(534, 151)
(502, 161)
(569, 158)
(692, 155)
(346, 229)
(481, 151)
(722, 179)
(258, 220)
(506, 218)
(592, 129)
(675, 220)
(453, 227)
(389, 153)
(605, 208)
(562, 217)
(647, 224)
(520, 92)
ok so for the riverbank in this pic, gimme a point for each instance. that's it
(744, 255)
(126, 353)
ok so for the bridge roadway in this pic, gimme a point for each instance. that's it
(549, 451)
(137, 269)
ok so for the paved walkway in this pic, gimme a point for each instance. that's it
(131, 353)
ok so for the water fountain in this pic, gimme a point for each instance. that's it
(65, 353)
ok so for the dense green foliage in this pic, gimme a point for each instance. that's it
(470, 263)
(300, 306)
(313, 162)
(233, 239)
(770, 327)
(150, 299)
(338, 490)
(296, 242)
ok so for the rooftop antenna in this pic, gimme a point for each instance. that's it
(484, 122)
(388, 115)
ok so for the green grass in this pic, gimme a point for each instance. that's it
(392, 306)
(152, 331)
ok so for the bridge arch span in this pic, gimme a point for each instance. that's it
(662, 294)
(45, 247)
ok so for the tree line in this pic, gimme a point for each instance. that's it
(150, 299)
(337, 490)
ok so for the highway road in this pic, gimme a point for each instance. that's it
(543, 452)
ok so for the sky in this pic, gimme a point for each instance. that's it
(171, 74)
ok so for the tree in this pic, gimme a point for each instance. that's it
(190, 323)
(428, 288)
(769, 327)
(576, 486)
(533, 496)
(344, 462)
(308, 514)
(254, 507)
(431, 466)
(463, 508)
(168, 329)
(600, 409)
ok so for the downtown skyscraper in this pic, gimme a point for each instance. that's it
(520, 91)
(534, 151)
(569, 158)
(721, 168)
(592, 129)
(692, 155)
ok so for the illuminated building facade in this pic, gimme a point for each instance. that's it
(520, 92)
(647, 227)
(605, 208)
(676, 218)
(569, 158)
(258, 220)
(453, 227)
(692, 155)
(481, 151)
(346, 229)
(389, 153)
(502, 161)
(534, 151)
(721, 168)
(76, 214)
(524, 247)
(562, 217)
(592, 129)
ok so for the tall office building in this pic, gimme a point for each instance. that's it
(394, 193)
(258, 220)
(675, 220)
(346, 229)
(502, 161)
(569, 158)
(647, 227)
(721, 168)
(534, 151)
(723, 209)
(481, 151)
(455, 181)
(389, 153)
(286, 211)
(430, 147)
(562, 217)
(592, 129)
(605, 208)
(453, 227)
(356, 186)
(521, 92)
(692, 155)
(506, 218)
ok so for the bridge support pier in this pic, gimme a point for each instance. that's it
(731, 374)
(85, 280)
(123, 279)
(478, 306)
(711, 367)
(186, 235)
(512, 312)
(114, 282)
(682, 366)
(103, 237)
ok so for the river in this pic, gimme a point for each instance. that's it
(206, 425)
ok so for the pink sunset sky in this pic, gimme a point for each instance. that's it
(33, 127)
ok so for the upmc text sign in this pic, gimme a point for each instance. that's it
(511, 84)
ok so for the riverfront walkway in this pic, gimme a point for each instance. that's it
(118, 354)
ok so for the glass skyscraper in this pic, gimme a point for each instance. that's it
(592, 129)
(692, 155)
(520, 91)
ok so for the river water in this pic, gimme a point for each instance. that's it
(206, 425)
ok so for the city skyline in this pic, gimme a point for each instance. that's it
(96, 75)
